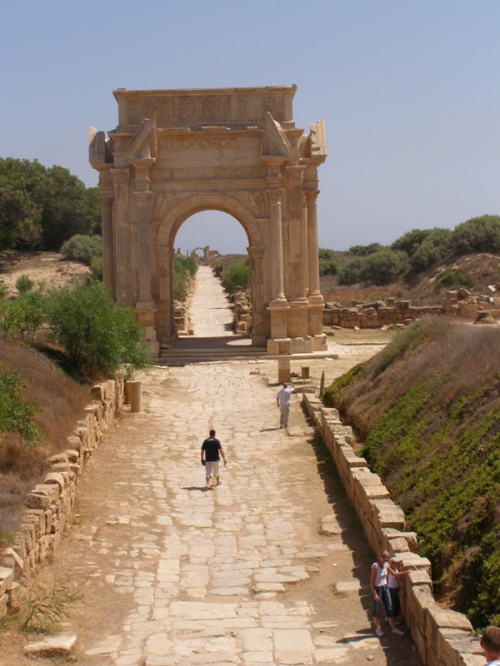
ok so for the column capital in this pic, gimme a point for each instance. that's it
(256, 251)
(120, 176)
(311, 196)
(143, 198)
(274, 195)
(295, 172)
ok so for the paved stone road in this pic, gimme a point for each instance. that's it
(210, 312)
(242, 574)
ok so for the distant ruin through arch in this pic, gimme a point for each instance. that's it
(175, 153)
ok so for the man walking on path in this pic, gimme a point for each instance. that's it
(283, 402)
(210, 450)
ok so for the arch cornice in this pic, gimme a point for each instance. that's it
(197, 203)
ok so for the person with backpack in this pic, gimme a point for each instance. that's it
(211, 450)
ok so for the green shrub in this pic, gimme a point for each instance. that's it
(328, 262)
(365, 250)
(455, 278)
(24, 284)
(384, 267)
(184, 267)
(350, 272)
(16, 414)
(479, 234)
(97, 333)
(96, 269)
(236, 275)
(22, 317)
(85, 249)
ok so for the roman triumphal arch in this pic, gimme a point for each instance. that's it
(237, 150)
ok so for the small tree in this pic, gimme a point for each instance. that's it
(96, 332)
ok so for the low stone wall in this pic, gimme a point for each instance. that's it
(375, 315)
(442, 636)
(50, 503)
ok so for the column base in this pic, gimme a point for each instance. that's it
(319, 342)
(276, 346)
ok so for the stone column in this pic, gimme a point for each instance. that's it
(312, 248)
(256, 253)
(274, 199)
(164, 261)
(108, 270)
(298, 328)
(122, 255)
(144, 259)
(315, 298)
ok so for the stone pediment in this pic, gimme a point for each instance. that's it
(275, 141)
(143, 143)
(99, 148)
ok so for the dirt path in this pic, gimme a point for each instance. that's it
(174, 574)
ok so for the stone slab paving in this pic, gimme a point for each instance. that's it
(271, 567)
(210, 311)
(241, 574)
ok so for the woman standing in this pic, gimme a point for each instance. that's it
(380, 592)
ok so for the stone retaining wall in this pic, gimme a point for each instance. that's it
(442, 636)
(376, 314)
(460, 303)
(50, 503)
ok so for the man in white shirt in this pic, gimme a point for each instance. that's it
(283, 402)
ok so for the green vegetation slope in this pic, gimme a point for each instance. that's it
(427, 408)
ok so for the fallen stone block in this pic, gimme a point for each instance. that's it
(51, 647)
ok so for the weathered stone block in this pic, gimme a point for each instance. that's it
(61, 479)
(6, 579)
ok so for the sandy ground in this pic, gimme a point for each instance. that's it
(48, 268)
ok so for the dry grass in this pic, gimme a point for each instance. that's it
(60, 401)
(470, 353)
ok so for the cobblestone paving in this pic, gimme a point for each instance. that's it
(240, 574)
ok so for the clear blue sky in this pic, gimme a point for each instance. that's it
(409, 90)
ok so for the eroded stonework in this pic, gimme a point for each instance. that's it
(175, 153)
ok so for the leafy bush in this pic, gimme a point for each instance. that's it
(16, 414)
(365, 250)
(435, 247)
(96, 269)
(184, 267)
(21, 318)
(479, 234)
(328, 262)
(384, 267)
(350, 272)
(410, 241)
(96, 333)
(455, 278)
(24, 284)
(85, 249)
(236, 275)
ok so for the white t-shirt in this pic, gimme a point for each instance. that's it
(381, 575)
(392, 581)
(283, 395)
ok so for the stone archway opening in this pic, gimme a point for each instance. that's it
(213, 305)
(175, 153)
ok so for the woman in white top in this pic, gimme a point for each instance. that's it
(380, 592)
